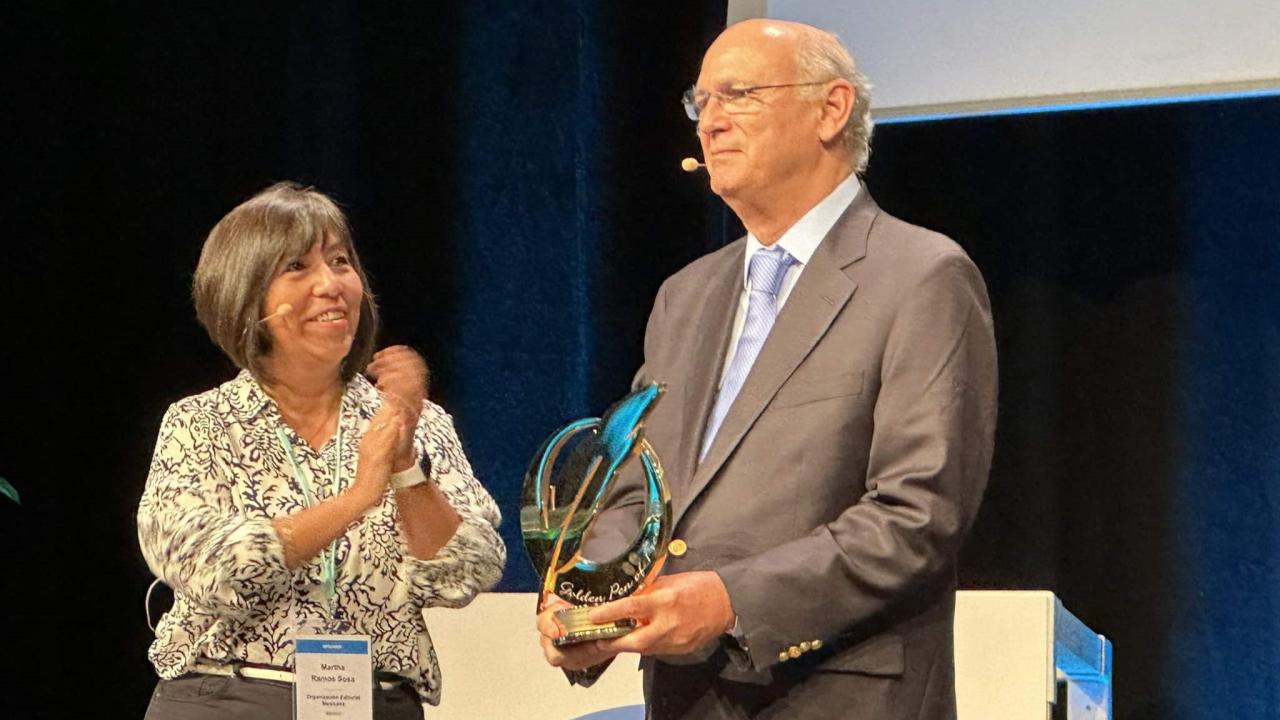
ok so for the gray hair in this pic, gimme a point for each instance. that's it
(239, 259)
(820, 55)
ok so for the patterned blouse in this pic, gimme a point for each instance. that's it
(218, 476)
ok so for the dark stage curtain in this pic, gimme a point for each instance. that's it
(510, 169)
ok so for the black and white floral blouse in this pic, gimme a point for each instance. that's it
(218, 476)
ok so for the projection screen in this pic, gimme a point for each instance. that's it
(929, 59)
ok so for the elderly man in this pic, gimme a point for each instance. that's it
(828, 424)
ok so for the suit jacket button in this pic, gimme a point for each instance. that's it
(783, 656)
(677, 547)
(793, 651)
(806, 646)
(816, 644)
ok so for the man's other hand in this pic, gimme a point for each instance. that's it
(678, 614)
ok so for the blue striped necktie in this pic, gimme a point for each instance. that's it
(768, 267)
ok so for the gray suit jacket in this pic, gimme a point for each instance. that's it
(834, 499)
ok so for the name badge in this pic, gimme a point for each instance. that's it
(333, 677)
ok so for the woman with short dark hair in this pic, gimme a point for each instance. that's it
(303, 498)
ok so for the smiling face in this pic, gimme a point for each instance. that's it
(264, 253)
(751, 155)
(323, 291)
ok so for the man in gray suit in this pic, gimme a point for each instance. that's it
(828, 424)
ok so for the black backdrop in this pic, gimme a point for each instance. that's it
(511, 173)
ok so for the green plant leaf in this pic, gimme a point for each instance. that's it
(9, 491)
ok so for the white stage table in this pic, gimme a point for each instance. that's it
(1019, 656)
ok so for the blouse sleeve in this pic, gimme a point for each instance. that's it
(192, 535)
(472, 560)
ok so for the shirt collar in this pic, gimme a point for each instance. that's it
(801, 240)
(248, 398)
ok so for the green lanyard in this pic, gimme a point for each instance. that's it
(328, 556)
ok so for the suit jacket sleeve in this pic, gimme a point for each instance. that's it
(929, 455)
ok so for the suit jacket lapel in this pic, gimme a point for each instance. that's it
(818, 297)
(715, 325)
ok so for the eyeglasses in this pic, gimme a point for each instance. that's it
(735, 101)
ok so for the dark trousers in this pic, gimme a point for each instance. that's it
(223, 697)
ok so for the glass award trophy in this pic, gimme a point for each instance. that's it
(595, 528)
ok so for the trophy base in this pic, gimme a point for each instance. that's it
(578, 629)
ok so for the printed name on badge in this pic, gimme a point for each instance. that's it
(333, 678)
